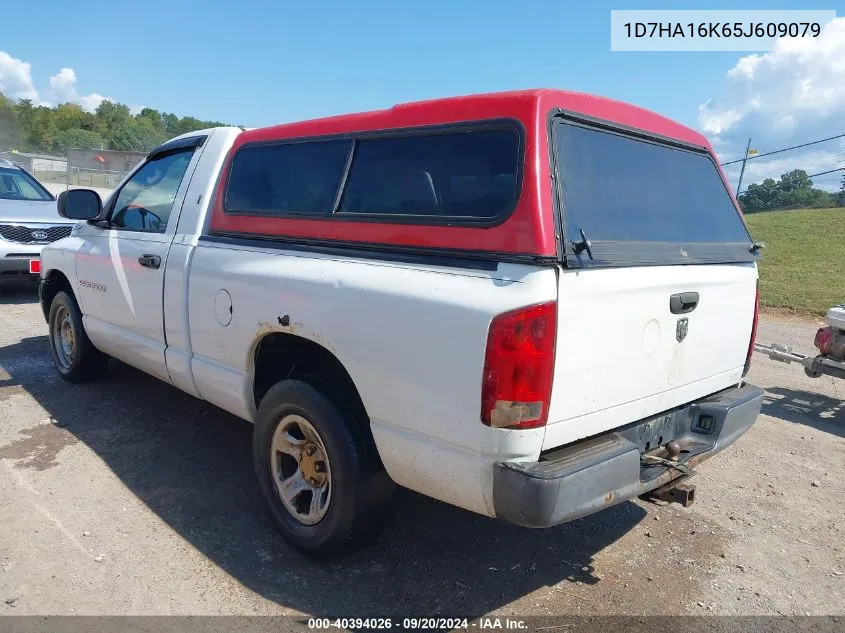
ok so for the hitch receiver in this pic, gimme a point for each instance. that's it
(683, 494)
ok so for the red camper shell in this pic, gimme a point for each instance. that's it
(496, 142)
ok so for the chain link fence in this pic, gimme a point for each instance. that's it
(97, 178)
(62, 170)
(805, 176)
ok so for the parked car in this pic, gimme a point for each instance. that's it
(531, 305)
(28, 221)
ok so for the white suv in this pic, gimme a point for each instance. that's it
(28, 221)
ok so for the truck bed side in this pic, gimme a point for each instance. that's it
(412, 337)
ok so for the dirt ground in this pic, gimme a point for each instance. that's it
(129, 497)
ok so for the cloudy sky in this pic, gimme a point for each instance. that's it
(273, 61)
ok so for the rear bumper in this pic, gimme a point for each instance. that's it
(17, 266)
(577, 480)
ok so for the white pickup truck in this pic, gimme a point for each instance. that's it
(532, 305)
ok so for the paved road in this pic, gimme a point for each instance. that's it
(128, 497)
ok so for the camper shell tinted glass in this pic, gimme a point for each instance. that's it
(470, 175)
(462, 174)
(643, 201)
(293, 178)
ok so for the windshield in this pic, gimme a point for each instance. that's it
(16, 184)
(639, 200)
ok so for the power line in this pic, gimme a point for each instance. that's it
(785, 149)
(800, 178)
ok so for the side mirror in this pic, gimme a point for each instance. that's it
(80, 204)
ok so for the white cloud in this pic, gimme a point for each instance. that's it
(63, 90)
(798, 87)
(64, 81)
(16, 78)
(792, 95)
(16, 83)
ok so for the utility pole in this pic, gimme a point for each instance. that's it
(742, 171)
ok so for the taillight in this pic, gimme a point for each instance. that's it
(753, 331)
(518, 368)
(824, 339)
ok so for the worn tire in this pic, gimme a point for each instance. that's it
(84, 361)
(360, 489)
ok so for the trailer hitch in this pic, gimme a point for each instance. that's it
(681, 493)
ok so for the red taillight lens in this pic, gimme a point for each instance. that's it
(753, 332)
(518, 368)
(823, 340)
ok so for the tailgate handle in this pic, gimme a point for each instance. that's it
(683, 302)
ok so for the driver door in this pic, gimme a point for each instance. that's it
(120, 270)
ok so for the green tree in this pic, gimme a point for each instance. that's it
(841, 201)
(110, 117)
(135, 136)
(47, 130)
(24, 109)
(10, 126)
(795, 180)
(69, 116)
(78, 138)
(40, 130)
(794, 190)
(153, 117)
(171, 124)
(759, 197)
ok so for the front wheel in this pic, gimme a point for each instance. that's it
(322, 490)
(75, 357)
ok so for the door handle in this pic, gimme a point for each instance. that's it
(150, 261)
(683, 302)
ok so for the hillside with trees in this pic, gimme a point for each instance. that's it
(52, 130)
(794, 190)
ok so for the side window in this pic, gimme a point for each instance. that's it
(8, 187)
(286, 178)
(467, 174)
(28, 191)
(146, 200)
(16, 184)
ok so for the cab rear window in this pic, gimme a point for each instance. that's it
(643, 201)
(461, 175)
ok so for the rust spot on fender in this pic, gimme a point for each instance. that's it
(608, 498)
(284, 321)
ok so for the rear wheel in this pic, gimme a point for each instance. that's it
(75, 357)
(322, 490)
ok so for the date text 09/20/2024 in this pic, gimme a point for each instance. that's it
(437, 624)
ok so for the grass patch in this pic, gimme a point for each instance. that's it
(803, 264)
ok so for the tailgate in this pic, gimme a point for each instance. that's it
(623, 355)
(657, 288)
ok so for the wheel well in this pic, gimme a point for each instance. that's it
(280, 356)
(54, 283)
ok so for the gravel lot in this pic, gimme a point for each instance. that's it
(129, 497)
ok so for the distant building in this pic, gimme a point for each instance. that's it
(103, 159)
(36, 162)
